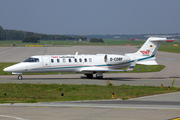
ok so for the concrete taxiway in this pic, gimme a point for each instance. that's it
(116, 78)
(156, 107)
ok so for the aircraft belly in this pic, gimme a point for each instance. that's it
(56, 69)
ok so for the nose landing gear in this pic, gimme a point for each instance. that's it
(20, 77)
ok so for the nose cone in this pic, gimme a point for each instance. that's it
(14, 68)
(7, 69)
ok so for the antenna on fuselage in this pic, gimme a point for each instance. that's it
(76, 53)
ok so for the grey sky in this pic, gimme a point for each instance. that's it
(86, 17)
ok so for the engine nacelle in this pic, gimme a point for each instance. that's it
(116, 59)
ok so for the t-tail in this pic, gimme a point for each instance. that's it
(146, 54)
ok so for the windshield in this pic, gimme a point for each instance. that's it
(32, 60)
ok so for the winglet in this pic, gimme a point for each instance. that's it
(131, 67)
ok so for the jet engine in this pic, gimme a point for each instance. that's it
(116, 59)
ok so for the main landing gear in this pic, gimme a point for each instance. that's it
(89, 76)
(20, 77)
(99, 75)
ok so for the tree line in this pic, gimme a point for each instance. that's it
(96, 40)
(31, 39)
(19, 35)
(128, 37)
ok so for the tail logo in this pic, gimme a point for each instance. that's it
(145, 53)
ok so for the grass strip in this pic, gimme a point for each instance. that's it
(32, 93)
(165, 46)
(172, 49)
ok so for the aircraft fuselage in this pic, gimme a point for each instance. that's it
(70, 63)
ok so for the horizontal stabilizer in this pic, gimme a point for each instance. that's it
(151, 62)
(156, 39)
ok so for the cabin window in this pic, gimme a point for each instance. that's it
(80, 60)
(90, 60)
(69, 60)
(64, 60)
(52, 60)
(85, 60)
(57, 60)
(32, 60)
(75, 60)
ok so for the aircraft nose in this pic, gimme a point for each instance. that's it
(15, 68)
(7, 69)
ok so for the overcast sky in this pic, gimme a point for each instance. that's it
(86, 17)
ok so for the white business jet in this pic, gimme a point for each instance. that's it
(89, 64)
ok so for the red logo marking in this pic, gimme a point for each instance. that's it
(145, 52)
(54, 56)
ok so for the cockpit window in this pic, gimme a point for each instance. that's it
(32, 60)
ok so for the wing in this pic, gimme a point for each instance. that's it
(95, 69)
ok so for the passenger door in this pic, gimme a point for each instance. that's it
(46, 61)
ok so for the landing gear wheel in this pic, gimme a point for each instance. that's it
(89, 76)
(20, 77)
(99, 77)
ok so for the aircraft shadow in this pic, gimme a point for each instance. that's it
(81, 78)
(85, 78)
(94, 78)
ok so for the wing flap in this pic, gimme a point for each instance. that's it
(108, 70)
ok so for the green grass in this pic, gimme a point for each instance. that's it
(137, 69)
(148, 68)
(29, 93)
(165, 46)
(172, 49)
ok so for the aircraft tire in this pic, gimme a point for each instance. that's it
(100, 77)
(20, 77)
(89, 76)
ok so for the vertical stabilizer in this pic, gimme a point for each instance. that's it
(145, 55)
(150, 47)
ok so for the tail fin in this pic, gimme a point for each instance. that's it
(146, 53)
